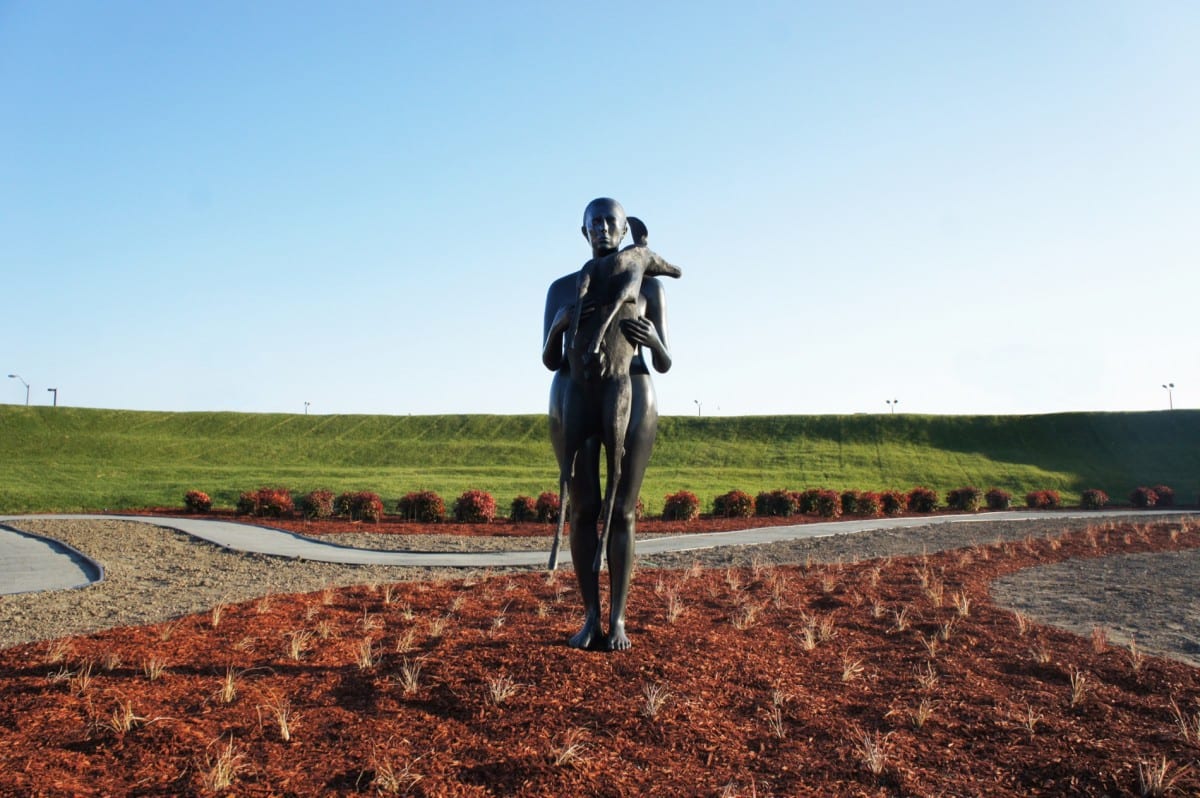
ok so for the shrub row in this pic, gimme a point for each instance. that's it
(477, 506)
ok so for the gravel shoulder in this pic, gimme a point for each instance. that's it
(154, 574)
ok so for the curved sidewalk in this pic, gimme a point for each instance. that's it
(30, 563)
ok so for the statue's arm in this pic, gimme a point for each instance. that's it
(650, 329)
(555, 321)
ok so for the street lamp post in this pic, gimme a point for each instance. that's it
(697, 401)
(306, 404)
(55, 392)
(892, 403)
(18, 377)
(1170, 386)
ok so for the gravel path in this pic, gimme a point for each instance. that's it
(154, 574)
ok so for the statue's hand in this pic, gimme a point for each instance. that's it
(641, 332)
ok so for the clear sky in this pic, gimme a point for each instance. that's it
(968, 207)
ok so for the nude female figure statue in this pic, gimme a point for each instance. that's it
(604, 226)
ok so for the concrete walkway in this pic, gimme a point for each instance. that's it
(31, 563)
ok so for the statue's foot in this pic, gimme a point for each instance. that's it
(587, 637)
(617, 639)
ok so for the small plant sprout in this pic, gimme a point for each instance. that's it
(829, 582)
(410, 676)
(827, 629)
(298, 642)
(281, 710)
(122, 719)
(946, 630)
(931, 645)
(851, 668)
(81, 680)
(227, 692)
(1078, 687)
(263, 605)
(1023, 622)
(457, 603)
(901, 621)
(325, 629)
(775, 721)
(872, 750)
(502, 688)
(1188, 725)
(733, 580)
(962, 603)
(110, 661)
(675, 605)
(878, 609)
(58, 651)
(215, 614)
(926, 676)
(746, 617)
(1040, 654)
(1030, 719)
(921, 713)
(1156, 778)
(758, 566)
(220, 773)
(391, 780)
(654, 697)
(368, 654)
(936, 592)
(389, 594)
(780, 588)
(570, 749)
(369, 622)
(407, 641)
(1099, 639)
(154, 669)
(437, 626)
(1136, 658)
(809, 635)
(168, 630)
(406, 612)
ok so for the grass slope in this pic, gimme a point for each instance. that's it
(64, 459)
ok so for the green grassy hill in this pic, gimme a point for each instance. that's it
(65, 459)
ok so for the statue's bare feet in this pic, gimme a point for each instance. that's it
(589, 635)
(617, 639)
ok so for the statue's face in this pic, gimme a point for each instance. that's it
(604, 225)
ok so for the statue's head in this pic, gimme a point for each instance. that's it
(604, 224)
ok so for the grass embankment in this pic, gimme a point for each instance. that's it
(67, 459)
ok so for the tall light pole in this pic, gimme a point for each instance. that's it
(1170, 386)
(697, 401)
(18, 377)
(55, 392)
(306, 404)
(892, 403)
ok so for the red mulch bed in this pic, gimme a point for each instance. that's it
(749, 709)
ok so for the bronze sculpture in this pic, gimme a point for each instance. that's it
(602, 396)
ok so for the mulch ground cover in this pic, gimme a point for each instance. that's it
(879, 678)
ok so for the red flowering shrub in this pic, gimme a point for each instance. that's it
(998, 499)
(424, 506)
(869, 504)
(806, 501)
(266, 503)
(828, 504)
(1093, 499)
(1143, 497)
(921, 500)
(524, 508)
(1043, 499)
(849, 500)
(783, 503)
(317, 504)
(1166, 495)
(547, 507)
(969, 499)
(681, 506)
(197, 501)
(734, 504)
(360, 506)
(475, 507)
(893, 502)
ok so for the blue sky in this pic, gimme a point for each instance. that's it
(971, 208)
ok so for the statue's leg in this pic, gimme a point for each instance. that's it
(583, 489)
(615, 420)
(639, 441)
